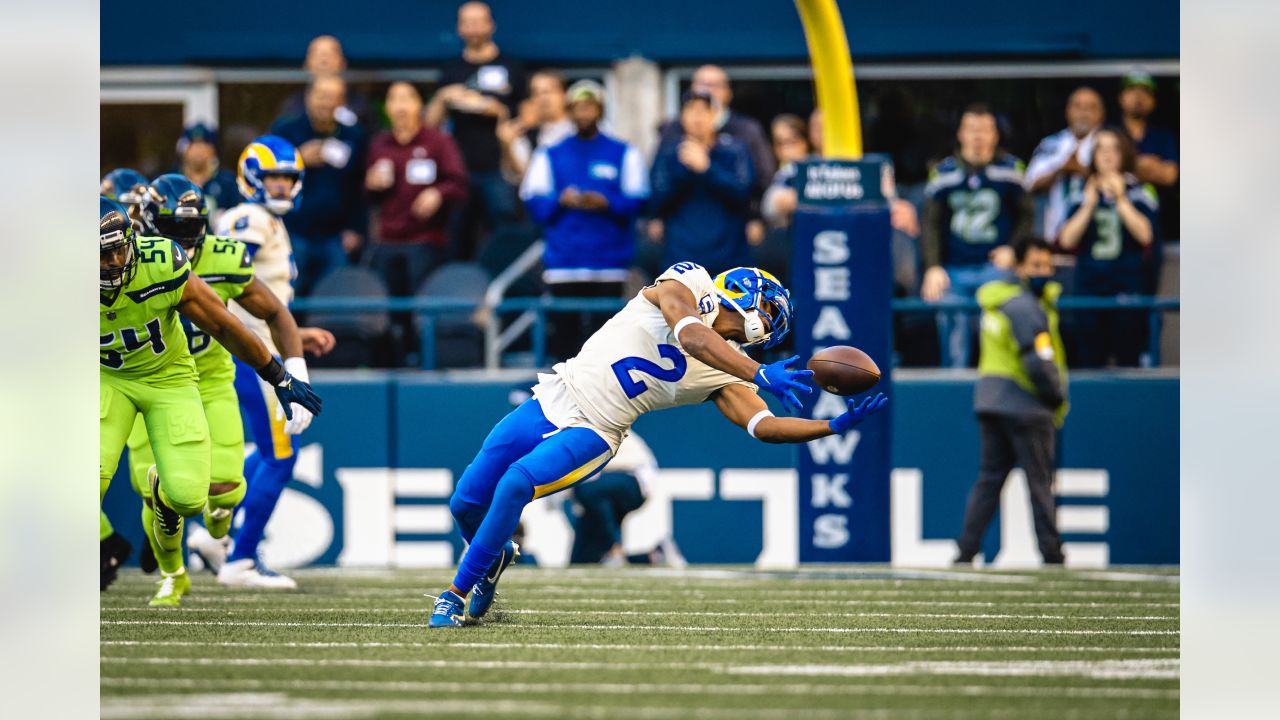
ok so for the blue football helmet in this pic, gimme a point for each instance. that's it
(752, 292)
(270, 155)
(126, 187)
(174, 207)
(117, 246)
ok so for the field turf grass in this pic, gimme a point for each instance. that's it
(838, 642)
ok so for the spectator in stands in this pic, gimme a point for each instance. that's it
(479, 90)
(331, 220)
(702, 191)
(781, 200)
(198, 161)
(545, 123)
(1157, 148)
(974, 206)
(712, 80)
(1157, 163)
(415, 178)
(325, 57)
(1060, 162)
(790, 146)
(585, 192)
(1112, 223)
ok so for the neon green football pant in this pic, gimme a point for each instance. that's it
(175, 421)
(226, 435)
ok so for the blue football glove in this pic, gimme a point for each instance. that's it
(783, 382)
(292, 390)
(858, 411)
(289, 389)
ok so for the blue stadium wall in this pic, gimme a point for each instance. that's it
(383, 32)
(1119, 478)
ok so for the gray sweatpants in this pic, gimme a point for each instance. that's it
(1009, 441)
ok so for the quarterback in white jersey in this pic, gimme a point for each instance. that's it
(267, 240)
(680, 341)
(269, 174)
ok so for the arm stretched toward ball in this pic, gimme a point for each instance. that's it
(680, 310)
(748, 411)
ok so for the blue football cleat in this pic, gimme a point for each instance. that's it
(483, 593)
(447, 612)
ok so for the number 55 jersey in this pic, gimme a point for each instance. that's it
(634, 365)
(140, 334)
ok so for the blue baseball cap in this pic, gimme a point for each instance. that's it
(197, 133)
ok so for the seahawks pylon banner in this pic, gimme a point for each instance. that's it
(842, 283)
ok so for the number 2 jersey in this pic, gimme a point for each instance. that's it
(271, 252)
(634, 365)
(140, 334)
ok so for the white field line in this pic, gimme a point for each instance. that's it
(851, 592)
(630, 646)
(674, 613)
(670, 628)
(299, 602)
(1127, 669)
(803, 689)
(279, 706)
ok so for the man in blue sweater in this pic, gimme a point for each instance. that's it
(702, 191)
(585, 192)
(331, 220)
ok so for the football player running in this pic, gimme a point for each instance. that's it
(125, 186)
(147, 369)
(174, 207)
(680, 341)
(270, 177)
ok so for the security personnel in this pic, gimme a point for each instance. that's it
(1021, 396)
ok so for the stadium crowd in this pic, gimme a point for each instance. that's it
(410, 187)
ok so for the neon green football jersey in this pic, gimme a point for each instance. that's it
(227, 267)
(140, 334)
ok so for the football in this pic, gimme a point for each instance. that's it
(844, 370)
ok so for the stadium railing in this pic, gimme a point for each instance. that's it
(536, 309)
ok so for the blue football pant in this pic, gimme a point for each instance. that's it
(524, 457)
(269, 468)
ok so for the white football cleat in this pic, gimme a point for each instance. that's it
(245, 573)
(212, 551)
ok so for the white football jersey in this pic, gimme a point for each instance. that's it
(268, 240)
(634, 365)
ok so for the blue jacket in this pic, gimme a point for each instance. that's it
(332, 197)
(704, 216)
(586, 244)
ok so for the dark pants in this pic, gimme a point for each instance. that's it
(1027, 442)
(570, 330)
(605, 502)
(316, 256)
(491, 202)
(1102, 335)
(404, 266)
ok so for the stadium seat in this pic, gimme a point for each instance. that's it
(459, 341)
(364, 338)
(504, 246)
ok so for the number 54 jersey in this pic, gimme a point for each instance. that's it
(634, 365)
(140, 335)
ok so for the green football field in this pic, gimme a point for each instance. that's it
(841, 642)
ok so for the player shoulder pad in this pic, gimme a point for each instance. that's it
(163, 268)
(246, 222)
(697, 279)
